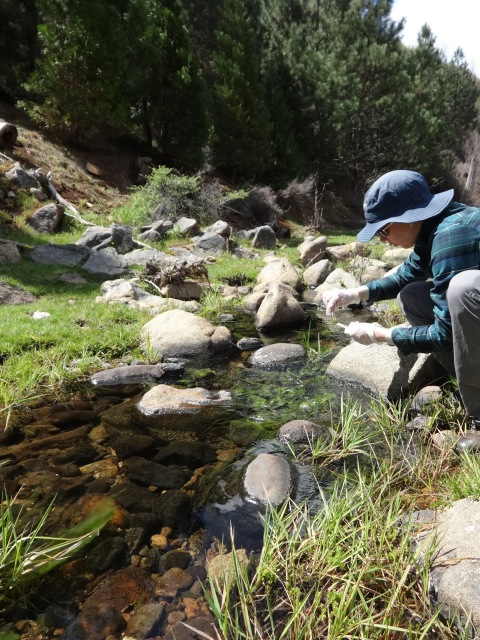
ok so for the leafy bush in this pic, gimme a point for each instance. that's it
(168, 194)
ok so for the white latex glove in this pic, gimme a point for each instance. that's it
(364, 332)
(335, 298)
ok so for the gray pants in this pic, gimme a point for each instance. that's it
(463, 297)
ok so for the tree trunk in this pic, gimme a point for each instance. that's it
(8, 135)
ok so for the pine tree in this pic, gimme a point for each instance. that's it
(76, 82)
(166, 86)
(18, 44)
(368, 88)
(278, 21)
(241, 142)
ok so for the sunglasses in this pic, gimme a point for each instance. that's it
(383, 233)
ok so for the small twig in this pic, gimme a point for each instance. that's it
(5, 157)
(19, 244)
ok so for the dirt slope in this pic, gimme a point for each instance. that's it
(88, 179)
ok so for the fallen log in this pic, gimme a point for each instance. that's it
(8, 135)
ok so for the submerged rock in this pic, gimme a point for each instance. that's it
(302, 431)
(278, 356)
(133, 374)
(167, 408)
(268, 479)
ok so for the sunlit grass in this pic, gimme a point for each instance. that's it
(346, 568)
(28, 552)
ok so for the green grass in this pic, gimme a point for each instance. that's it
(28, 552)
(346, 569)
(40, 356)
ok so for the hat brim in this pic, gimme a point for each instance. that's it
(435, 206)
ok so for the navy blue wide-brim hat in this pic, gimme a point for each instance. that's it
(400, 196)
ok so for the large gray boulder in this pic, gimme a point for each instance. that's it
(186, 227)
(117, 236)
(142, 256)
(316, 275)
(280, 270)
(264, 238)
(380, 369)
(279, 309)
(22, 178)
(312, 250)
(211, 243)
(106, 262)
(453, 533)
(70, 255)
(279, 356)
(128, 292)
(47, 219)
(184, 335)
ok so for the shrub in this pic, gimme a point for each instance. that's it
(168, 194)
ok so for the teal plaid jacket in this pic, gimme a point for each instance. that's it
(448, 243)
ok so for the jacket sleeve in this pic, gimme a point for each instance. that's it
(454, 249)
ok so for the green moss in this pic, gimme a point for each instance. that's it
(244, 432)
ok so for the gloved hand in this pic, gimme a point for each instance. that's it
(364, 332)
(335, 298)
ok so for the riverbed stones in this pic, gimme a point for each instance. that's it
(249, 344)
(147, 473)
(177, 333)
(186, 454)
(268, 479)
(198, 627)
(101, 613)
(279, 356)
(145, 622)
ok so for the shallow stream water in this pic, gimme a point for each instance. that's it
(65, 450)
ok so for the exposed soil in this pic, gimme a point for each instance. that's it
(95, 180)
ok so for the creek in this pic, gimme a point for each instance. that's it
(78, 449)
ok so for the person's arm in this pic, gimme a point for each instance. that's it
(455, 248)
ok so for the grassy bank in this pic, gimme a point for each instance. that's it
(349, 569)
